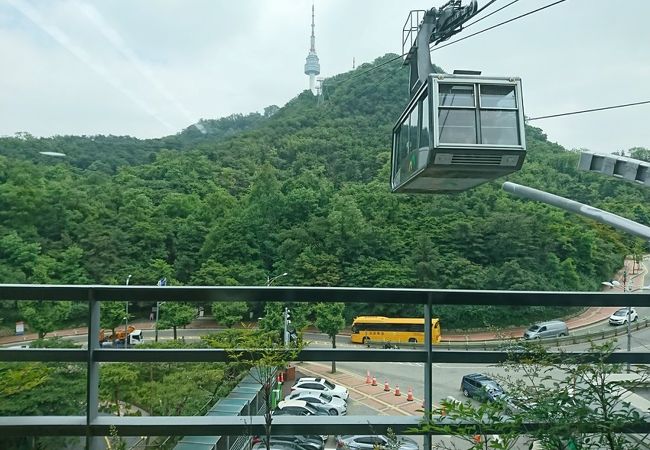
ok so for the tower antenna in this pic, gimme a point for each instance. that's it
(312, 65)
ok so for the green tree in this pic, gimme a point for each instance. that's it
(174, 315)
(112, 315)
(330, 320)
(264, 356)
(28, 389)
(44, 316)
(641, 153)
(273, 318)
(114, 378)
(478, 425)
(229, 313)
(572, 395)
(16, 379)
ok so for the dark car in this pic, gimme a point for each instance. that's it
(373, 441)
(481, 387)
(278, 444)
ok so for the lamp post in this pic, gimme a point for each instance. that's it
(270, 280)
(157, 309)
(285, 335)
(126, 323)
(161, 282)
(285, 312)
(612, 284)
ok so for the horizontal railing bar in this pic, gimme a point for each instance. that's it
(44, 355)
(315, 355)
(246, 426)
(207, 294)
(43, 425)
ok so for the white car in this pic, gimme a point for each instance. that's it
(620, 316)
(335, 405)
(318, 385)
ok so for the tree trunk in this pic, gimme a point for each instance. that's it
(267, 414)
(333, 346)
(117, 400)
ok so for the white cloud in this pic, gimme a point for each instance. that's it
(132, 66)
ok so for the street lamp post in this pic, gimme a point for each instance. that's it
(126, 323)
(270, 280)
(629, 319)
(161, 282)
(285, 313)
(285, 335)
(626, 289)
(157, 309)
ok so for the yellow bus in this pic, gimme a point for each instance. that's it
(366, 329)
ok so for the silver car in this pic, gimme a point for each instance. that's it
(334, 405)
(373, 441)
(550, 329)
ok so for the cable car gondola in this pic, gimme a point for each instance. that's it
(458, 130)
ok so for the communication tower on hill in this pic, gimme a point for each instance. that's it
(312, 65)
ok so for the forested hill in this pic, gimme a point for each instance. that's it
(302, 190)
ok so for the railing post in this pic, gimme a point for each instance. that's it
(92, 371)
(428, 368)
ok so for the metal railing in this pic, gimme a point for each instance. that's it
(92, 424)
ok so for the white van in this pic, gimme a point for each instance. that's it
(551, 329)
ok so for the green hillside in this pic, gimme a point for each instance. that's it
(304, 191)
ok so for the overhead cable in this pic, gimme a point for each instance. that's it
(583, 111)
(498, 25)
(461, 39)
(493, 12)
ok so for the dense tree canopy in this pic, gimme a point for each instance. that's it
(302, 189)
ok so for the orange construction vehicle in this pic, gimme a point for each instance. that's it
(117, 339)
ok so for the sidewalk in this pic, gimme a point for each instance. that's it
(198, 323)
(589, 317)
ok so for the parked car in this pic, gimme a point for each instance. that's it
(334, 405)
(620, 316)
(480, 387)
(318, 385)
(308, 442)
(550, 329)
(373, 441)
(299, 408)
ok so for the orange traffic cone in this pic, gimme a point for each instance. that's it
(374, 381)
(397, 392)
(386, 386)
(368, 380)
(409, 395)
(477, 438)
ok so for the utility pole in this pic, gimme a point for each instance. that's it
(286, 327)
(126, 322)
(161, 282)
(629, 317)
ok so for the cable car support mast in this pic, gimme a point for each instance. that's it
(460, 130)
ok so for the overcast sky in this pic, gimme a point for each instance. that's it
(150, 68)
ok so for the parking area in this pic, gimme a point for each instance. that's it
(365, 399)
